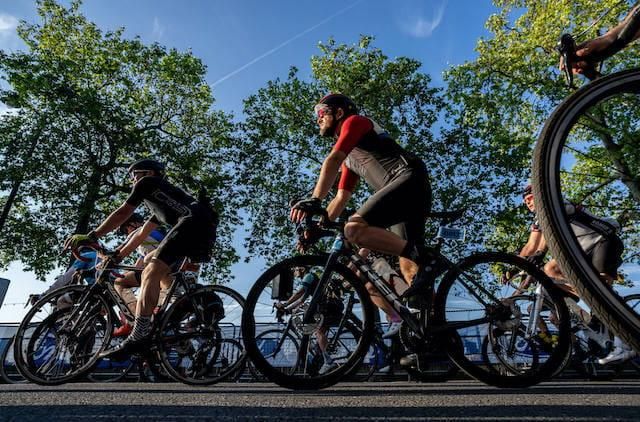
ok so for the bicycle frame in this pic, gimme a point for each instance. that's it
(419, 325)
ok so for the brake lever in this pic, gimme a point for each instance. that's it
(567, 49)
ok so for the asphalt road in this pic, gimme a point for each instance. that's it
(394, 401)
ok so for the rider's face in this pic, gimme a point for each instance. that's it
(528, 201)
(326, 122)
(139, 174)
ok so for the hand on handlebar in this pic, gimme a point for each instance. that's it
(77, 240)
(305, 208)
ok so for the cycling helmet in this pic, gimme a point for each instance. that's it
(147, 164)
(528, 190)
(133, 219)
(334, 101)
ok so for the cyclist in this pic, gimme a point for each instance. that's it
(193, 233)
(85, 263)
(593, 51)
(402, 195)
(332, 311)
(144, 244)
(598, 239)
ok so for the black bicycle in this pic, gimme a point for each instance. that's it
(455, 317)
(61, 337)
(589, 152)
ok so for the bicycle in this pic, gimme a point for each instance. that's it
(63, 334)
(430, 368)
(455, 317)
(588, 344)
(588, 151)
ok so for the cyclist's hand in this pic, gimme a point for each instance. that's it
(302, 208)
(587, 56)
(537, 258)
(77, 240)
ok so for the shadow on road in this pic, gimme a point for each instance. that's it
(221, 413)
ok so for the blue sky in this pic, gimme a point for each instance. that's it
(247, 43)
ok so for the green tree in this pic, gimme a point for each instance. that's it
(86, 104)
(281, 152)
(502, 98)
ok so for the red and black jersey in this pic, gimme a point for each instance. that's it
(371, 154)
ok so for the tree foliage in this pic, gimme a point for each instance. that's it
(502, 98)
(86, 104)
(281, 152)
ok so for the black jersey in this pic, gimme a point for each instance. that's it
(167, 203)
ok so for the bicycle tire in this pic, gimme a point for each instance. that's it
(9, 373)
(458, 302)
(189, 330)
(546, 180)
(289, 378)
(28, 351)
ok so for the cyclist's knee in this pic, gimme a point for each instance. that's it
(354, 228)
(155, 271)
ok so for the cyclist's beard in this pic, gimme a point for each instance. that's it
(329, 132)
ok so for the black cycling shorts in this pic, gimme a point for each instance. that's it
(606, 255)
(193, 237)
(401, 205)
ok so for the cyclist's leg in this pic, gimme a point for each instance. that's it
(123, 286)
(406, 199)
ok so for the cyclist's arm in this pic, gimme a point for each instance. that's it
(328, 173)
(354, 128)
(610, 43)
(115, 220)
(137, 239)
(338, 204)
(535, 243)
(616, 32)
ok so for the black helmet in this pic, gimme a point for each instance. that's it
(528, 190)
(135, 218)
(338, 101)
(147, 164)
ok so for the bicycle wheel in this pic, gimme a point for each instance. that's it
(192, 346)
(107, 370)
(471, 299)
(314, 355)
(9, 373)
(62, 335)
(588, 153)
(633, 364)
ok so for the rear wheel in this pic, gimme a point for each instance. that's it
(192, 345)
(472, 299)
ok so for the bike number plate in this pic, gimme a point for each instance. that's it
(451, 233)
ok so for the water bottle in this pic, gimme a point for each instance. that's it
(397, 283)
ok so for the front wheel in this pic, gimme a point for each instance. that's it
(588, 153)
(62, 335)
(312, 355)
(474, 303)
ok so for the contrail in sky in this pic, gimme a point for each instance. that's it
(278, 47)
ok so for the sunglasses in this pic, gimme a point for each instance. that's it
(322, 110)
(135, 173)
